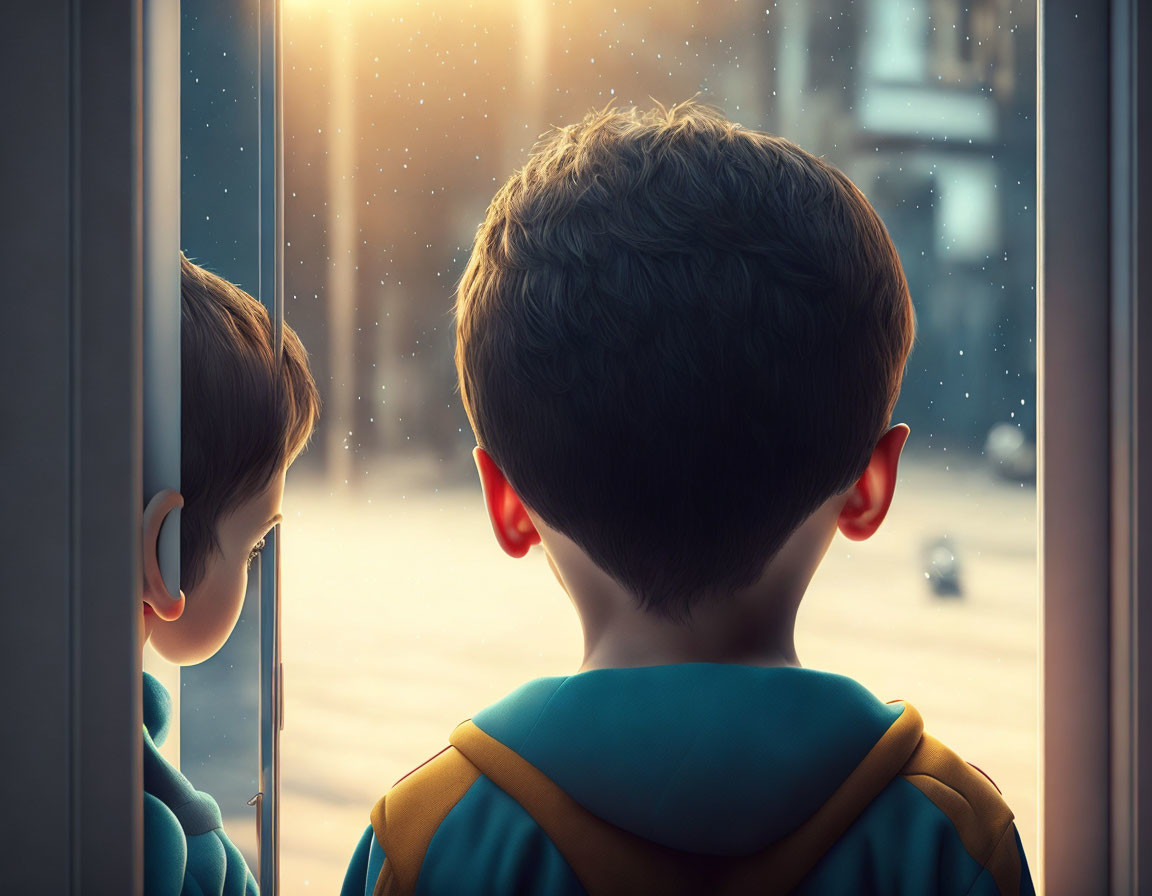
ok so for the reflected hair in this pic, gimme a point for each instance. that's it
(244, 417)
(677, 338)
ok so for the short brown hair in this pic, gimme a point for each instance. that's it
(677, 338)
(243, 416)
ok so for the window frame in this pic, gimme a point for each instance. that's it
(70, 350)
(1131, 426)
(271, 293)
(71, 332)
(1094, 354)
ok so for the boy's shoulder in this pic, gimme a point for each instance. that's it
(185, 846)
(695, 774)
(966, 796)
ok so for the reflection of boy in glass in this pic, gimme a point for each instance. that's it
(244, 418)
(679, 345)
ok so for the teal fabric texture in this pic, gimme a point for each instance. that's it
(186, 852)
(706, 758)
(357, 872)
(679, 735)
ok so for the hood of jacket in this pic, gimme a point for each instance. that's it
(702, 757)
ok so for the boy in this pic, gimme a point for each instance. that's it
(679, 345)
(245, 415)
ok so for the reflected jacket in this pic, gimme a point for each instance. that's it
(694, 778)
(186, 852)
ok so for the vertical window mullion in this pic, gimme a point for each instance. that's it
(271, 293)
(1074, 445)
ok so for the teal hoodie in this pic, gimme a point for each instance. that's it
(186, 852)
(719, 760)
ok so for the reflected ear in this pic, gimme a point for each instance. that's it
(871, 496)
(514, 529)
(156, 594)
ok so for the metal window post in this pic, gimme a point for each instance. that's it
(272, 295)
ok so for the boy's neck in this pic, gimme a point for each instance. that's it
(643, 639)
(755, 626)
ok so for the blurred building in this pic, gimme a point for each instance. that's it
(399, 127)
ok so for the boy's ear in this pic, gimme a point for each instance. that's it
(871, 496)
(156, 594)
(514, 529)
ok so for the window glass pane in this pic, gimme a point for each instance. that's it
(215, 734)
(402, 617)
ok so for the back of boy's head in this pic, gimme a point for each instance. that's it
(678, 338)
(244, 415)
